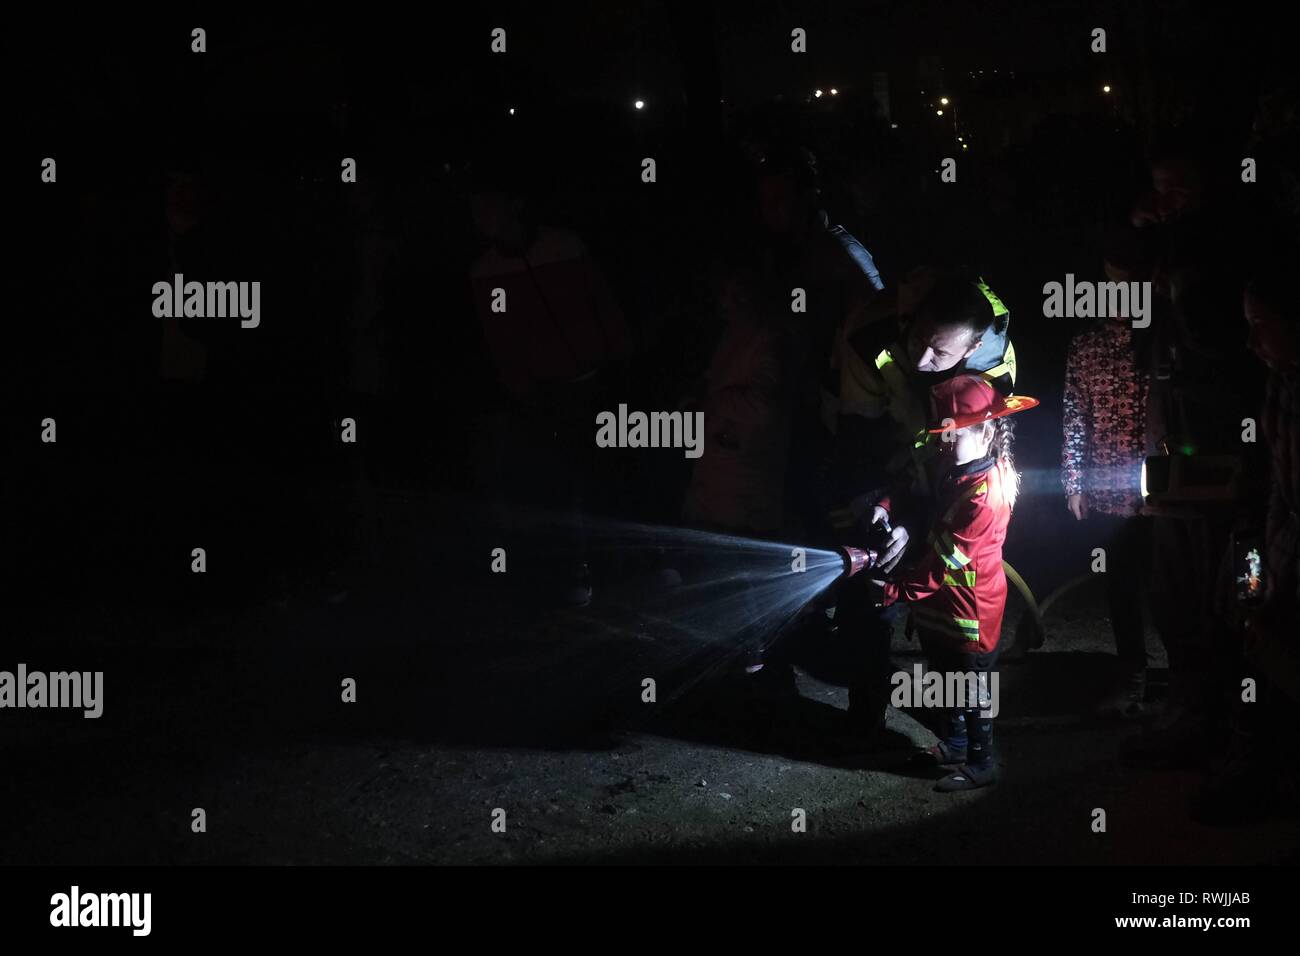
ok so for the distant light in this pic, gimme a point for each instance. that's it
(893, 126)
(959, 139)
(965, 146)
(817, 92)
(1105, 89)
(639, 104)
(834, 91)
(512, 111)
(943, 100)
(938, 112)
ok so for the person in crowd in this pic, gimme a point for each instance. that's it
(555, 331)
(737, 485)
(1199, 387)
(1256, 776)
(1104, 423)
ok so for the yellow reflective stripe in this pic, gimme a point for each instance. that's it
(998, 307)
(944, 624)
(995, 371)
(947, 549)
(890, 372)
(967, 579)
(934, 620)
(952, 557)
(1006, 367)
(939, 550)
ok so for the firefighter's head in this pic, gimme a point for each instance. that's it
(1273, 319)
(948, 325)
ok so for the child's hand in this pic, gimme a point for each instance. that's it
(893, 549)
(1078, 505)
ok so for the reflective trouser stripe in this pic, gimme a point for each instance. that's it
(945, 624)
(961, 627)
(960, 579)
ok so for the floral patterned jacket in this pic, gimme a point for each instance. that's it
(1104, 419)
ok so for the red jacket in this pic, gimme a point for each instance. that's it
(958, 587)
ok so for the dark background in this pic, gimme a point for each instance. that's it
(97, 542)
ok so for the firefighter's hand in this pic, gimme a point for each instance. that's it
(1078, 505)
(893, 550)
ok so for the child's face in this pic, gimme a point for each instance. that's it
(970, 443)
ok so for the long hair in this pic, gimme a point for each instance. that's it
(1000, 449)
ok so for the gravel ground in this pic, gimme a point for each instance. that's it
(495, 706)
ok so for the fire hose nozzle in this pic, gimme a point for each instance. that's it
(855, 559)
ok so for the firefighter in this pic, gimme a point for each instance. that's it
(945, 324)
(957, 589)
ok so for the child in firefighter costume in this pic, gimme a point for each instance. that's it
(957, 589)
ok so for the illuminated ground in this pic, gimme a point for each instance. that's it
(492, 704)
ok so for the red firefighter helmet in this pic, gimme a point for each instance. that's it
(968, 400)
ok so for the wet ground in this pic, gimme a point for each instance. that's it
(485, 702)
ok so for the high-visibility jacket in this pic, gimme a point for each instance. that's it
(885, 408)
(872, 382)
(957, 587)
